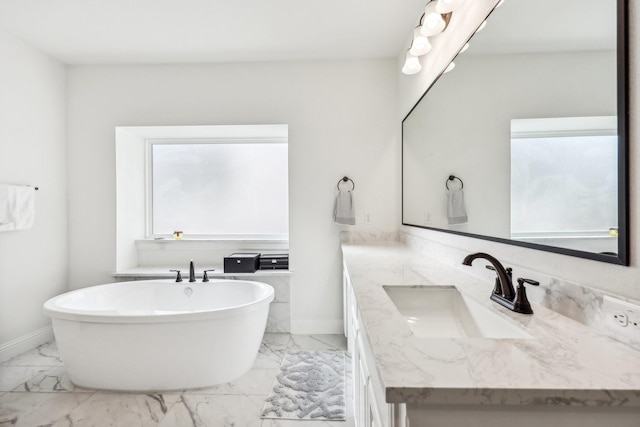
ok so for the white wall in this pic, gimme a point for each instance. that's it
(341, 118)
(33, 263)
(624, 281)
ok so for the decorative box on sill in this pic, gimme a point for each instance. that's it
(274, 262)
(241, 263)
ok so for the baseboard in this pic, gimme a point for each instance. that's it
(309, 327)
(25, 343)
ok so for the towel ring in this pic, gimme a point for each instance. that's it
(451, 178)
(346, 179)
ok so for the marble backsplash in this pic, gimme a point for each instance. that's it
(575, 301)
(369, 236)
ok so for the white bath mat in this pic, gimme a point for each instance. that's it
(309, 386)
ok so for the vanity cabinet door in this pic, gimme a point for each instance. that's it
(373, 415)
(363, 396)
(366, 411)
(345, 302)
(360, 379)
(350, 313)
(361, 376)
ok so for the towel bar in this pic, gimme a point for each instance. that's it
(35, 187)
(451, 178)
(346, 179)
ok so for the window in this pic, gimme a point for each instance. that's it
(218, 188)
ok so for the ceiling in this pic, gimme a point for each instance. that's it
(204, 31)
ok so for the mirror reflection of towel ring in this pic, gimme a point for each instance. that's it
(346, 179)
(451, 178)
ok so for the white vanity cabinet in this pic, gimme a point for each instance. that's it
(370, 408)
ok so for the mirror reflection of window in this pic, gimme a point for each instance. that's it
(564, 182)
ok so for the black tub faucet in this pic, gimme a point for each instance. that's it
(178, 276)
(205, 278)
(503, 292)
(192, 272)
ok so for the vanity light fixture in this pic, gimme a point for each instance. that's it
(411, 65)
(420, 44)
(433, 21)
(431, 24)
(447, 6)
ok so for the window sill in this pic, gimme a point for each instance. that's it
(149, 273)
(232, 244)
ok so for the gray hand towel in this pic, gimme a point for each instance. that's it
(456, 211)
(343, 212)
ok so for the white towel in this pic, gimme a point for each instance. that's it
(456, 212)
(17, 207)
(343, 212)
(6, 217)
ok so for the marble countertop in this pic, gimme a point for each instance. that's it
(566, 363)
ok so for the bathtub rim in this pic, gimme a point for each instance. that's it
(54, 311)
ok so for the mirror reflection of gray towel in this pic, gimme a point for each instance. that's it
(456, 212)
(343, 212)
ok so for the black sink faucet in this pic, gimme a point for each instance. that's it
(504, 279)
(503, 293)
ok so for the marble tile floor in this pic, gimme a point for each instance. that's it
(35, 392)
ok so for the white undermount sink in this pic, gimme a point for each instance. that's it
(444, 312)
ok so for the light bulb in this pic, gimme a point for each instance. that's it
(411, 65)
(433, 23)
(464, 48)
(446, 6)
(420, 44)
(481, 27)
(450, 67)
(500, 3)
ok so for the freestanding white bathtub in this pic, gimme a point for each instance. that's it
(158, 334)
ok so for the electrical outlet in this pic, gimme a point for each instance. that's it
(367, 218)
(622, 318)
(427, 218)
